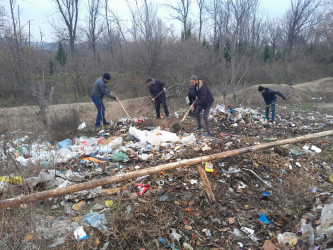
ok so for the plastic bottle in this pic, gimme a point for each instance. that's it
(307, 234)
(156, 143)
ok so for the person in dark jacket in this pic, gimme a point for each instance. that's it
(192, 95)
(99, 91)
(269, 96)
(157, 90)
(204, 101)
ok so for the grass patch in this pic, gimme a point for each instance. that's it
(303, 106)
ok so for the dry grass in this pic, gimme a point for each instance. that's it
(63, 126)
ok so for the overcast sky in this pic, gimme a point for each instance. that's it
(42, 12)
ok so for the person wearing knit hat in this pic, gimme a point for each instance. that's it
(157, 91)
(269, 96)
(99, 91)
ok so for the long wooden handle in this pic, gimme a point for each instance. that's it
(185, 115)
(159, 94)
(124, 109)
(163, 91)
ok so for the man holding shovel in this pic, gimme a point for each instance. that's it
(97, 94)
(269, 96)
(157, 90)
(203, 102)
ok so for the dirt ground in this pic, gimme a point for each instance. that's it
(27, 118)
(286, 183)
(175, 209)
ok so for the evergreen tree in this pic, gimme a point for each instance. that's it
(267, 54)
(61, 56)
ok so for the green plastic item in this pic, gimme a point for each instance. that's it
(119, 157)
(269, 139)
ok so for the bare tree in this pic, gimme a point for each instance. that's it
(39, 90)
(181, 10)
(201, 5)
(214, 11)
(69, 11)
(12, 4)
(93, 31)
(115, 34)
(147, 31)
(274, 33)
(298, 18)
(237, 32)
(2, 22)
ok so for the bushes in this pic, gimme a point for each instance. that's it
(62, 126)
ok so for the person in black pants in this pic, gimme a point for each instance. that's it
(192, 95)
(204, 102)
(157, 90)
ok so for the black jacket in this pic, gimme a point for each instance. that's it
(270, 95)
(192, 91)
(205, 97)
(157, 88)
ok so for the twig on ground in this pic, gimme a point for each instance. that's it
(265, 182)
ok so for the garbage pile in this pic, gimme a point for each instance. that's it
(276, 198)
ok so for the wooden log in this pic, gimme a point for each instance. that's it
(152, 170)
(112, 191)
(206, 183)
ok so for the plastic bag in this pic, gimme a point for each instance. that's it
(82, 126)
(189, 139)
(96, 220)
(120, 156)
(65, 143)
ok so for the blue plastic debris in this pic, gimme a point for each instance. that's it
(264, 219)
(96, 220)
(164, 243)
(65, 143)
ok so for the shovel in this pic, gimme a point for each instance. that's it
(176, 126)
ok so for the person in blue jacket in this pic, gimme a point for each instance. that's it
(99, 91)
(204, 101)
(157, 90)
(269, 96)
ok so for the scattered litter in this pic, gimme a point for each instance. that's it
(316, 149)
(80, 234)
(209, 167)
(96, 220)
(264, 219)
(82, 126)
